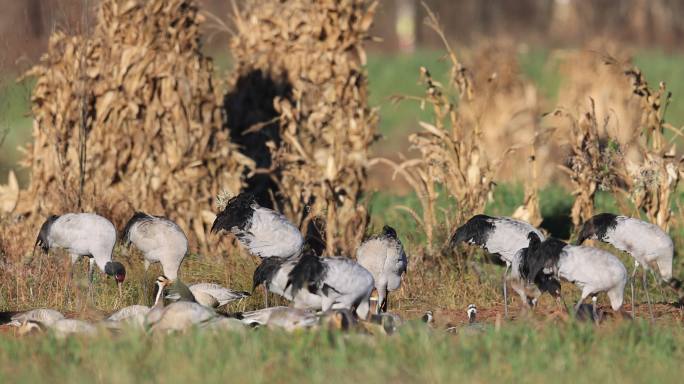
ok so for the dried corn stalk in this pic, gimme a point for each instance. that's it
(154, 134)
(451, 146)
(9, 194)
(530, 210)
(652, 180)
(309, 56)
(590, 164)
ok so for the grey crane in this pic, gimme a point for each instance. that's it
(339, 281)
(84, 234)
(264, 232)
(160, 240)
(647, 243)
(384, 257)
(273, 273)
(591, 269)
(502, 237)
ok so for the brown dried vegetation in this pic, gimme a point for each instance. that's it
(309, 56)
(144, 94)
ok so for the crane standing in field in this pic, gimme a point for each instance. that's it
(340, 282)
(273, 273)
(647, 243)
(160, 240)
(84, 234)
(384, 257)
(591, 269)
(264, 232)
(502, 237)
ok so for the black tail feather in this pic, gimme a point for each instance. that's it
(6, 317)
(42, 240)
(137, 217)
(237, 213)
(597, 226)
(475, 230)
(540, 255)
(309, 271)
(389, 232)
(265, 272)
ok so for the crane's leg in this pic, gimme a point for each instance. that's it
(660, 287)
(505, 290)
(594, 311)
(644, 279)
(585, 294)
(91, 270)
(382, 300)
(146, 266)
(385, 303)
(631, 285)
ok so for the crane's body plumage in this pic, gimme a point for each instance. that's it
(264, 232)
(594, 270)
(591, 269)
(340, 282)
(274, 273)
(647, 243)
(82, 234)
(159, 239)
(384, 257)
(503, 237)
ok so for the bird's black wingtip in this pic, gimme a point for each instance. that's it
(596, 227)
(389, 232)
(6, 317)
(237, 213)
(475, 230)
(137, 217)
(44, 233)
(309, 272)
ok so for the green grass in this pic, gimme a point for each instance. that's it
(628, 352)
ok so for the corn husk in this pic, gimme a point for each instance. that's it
(305, 59)
(144, 94)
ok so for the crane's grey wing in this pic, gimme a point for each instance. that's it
(509, 236)
(345, 276)
(639, 238)
(155, 233)
(593, 267)
(371, 254)
(271, 234)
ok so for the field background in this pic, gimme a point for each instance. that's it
(530, 347)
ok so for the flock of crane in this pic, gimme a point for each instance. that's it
(337, 291)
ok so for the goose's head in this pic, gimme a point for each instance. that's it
(472, 313)
(161, 283)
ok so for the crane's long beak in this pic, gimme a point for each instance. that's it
(119, 285)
